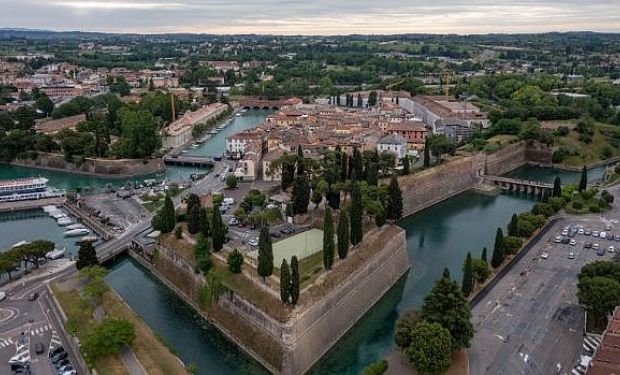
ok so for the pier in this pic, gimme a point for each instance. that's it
(30, 204)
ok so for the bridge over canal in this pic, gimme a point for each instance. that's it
(515, 184)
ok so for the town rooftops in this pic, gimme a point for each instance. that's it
(54, 126)
(393, 139)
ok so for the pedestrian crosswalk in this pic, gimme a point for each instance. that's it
(40, 330)
(6, 342)
(591, 342)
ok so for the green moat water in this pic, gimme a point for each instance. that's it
(437, 237)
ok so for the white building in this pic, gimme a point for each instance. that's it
(236, 143)
(393, 143)
(180, 131)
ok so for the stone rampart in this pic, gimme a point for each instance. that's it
(117, 167)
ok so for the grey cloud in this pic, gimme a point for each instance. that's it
(314, 16)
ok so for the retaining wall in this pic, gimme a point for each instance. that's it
(120, 167)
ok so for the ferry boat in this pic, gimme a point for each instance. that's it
(76, 232)
(25, 189)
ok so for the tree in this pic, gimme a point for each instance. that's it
(231, 181)
(557, 187)
(599, 295)
(446, 305)
(201, 253)
(44, 104)
(372, 98)
(427, 154)
(235, 262)
(498, 249)
(203, 222)
(300, 161)
(394, 206)
(380, 216)
(359, 100)
(265, 253)
(328, 239)
(468, 277)
(139, 136)
(344, 167)
(87, 256)
(301, 194)
(480, 270)
(288, 173)
(406, 165)
(484, 254)
(583, 183)
(108, 337)
(513, 226)
(294, 280)
(356, 214)
(343, 235)
(356, 166)
(317, 197)
(404, 325)
(430, 350)
(285, 282)
(218, 233)
(193, 213)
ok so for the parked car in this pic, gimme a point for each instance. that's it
(39, 348)
(557, 239)
(573, 242)
(253, 242)
(595, 246)
(56, 350)
(611, 249)
(234, 221)
(600, 252)
(571, 255)
(587, 232)
(275, 234)
(33, 296)
(544, 255)
(587, 245)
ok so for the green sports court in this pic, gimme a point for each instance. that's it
(302, 245)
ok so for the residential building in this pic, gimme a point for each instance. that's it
(236, 143)
(180, 131)
(276, 173)
(393, 143)
(413, 132)
(606, 359)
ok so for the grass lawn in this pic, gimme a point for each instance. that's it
(154, 356)
(586, 153)
(152, 206)
(182, 247)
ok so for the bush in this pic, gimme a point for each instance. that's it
(577, 205)
(594, 208)
(588, 194)
(557, 203)
(608, 197)
(513, 244)
(557, 156)
(376, 368)
(544, 209)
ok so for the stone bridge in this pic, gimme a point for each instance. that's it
(260, 104)
(515, 184)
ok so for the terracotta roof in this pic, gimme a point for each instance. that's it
(54, 126)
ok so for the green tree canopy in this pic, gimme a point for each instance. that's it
(140, 136)
(108, 337)
(235, 261)
(446, 305)
(404, 325)
(265, 253)
(87, 256)
(430, 351)
(285, 282)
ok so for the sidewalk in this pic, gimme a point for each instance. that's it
(45, 270)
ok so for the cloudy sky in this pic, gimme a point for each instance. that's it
(316, 17)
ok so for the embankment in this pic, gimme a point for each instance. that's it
(103, 167)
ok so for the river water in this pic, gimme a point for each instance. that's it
(437, 237)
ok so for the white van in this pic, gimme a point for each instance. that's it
(229, 201)
(2, 295)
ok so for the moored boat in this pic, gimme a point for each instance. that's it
(55, 254)
(64, 221)
(75, 226)
(76, 232)
(87, 239)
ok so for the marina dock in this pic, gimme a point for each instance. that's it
(30, 204)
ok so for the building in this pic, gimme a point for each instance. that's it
(250, 168)
(54, 126)
(63, 92)
(180, 131)
(393, 143)
(276, 173)
(236, 143)
(413, 132)
(433, 109)
(606, 359)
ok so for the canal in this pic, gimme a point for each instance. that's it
(437, 237)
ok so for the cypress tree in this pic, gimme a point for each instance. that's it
(328, 239)
(583, 183)
(285, 282)
(356, 165)
(294, 280)
(265, 253)
(203, 222)
(356, 214)
(168, 215)
(484, 254)
(427, 154)
(372, 174)
(217, 231)
(380, 217)
(343, 235)
(301, 194)
(446, 273)
(359, 100)
(193, 214)
(300, 161)
(498, 249)
(557, 187)
(344, 167)
(406, 166)
(468, 277)
(394, 206)
(288, 174)
(513, 226)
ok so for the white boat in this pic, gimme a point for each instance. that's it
(238, 115)
(75, 226)
(194, 145)
(64, 221)
(76, 232)
(58, 214)
(213, 131)
(55, 254)
(184, 151)
(20, 243)
(88, 239)
(50, 208)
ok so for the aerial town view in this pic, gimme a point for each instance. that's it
(351, 188)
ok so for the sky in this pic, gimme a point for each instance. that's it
(313, 17)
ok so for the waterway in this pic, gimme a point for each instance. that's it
(437, 237)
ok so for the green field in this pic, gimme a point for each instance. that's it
(302, 245)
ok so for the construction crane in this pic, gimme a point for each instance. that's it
(389, 87)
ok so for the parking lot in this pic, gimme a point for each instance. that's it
(530, 322)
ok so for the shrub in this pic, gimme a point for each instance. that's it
(557, 203)
(557, 156)
(513, 244)
(544, 209)
(376, 368)
(588, 194)
(577, 205)
(595, 208)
